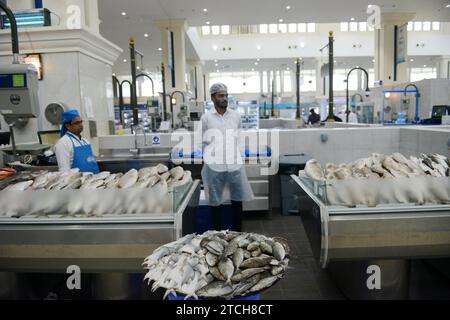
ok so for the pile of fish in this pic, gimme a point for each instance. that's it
(218, 264)
(384, 179)
(75, 194)
(74, 179)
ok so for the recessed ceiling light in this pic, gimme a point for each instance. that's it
(215, 48)
(159, 49)
(424, 65)
(253, 69)
(215, 60)
(114, 74)
(217, 64)
(207, 22)
(280, 20)
(124, 60)
(352, 19)
(447, 6)
(148, 72)
(335, 61)
(146, 35)
(205, 10)
(124, 13)
(256, 63)
(373, 60)
(302, 44)
(411, 60)
(288, 7)
(138, 67)
(258, 47)
(258, 59)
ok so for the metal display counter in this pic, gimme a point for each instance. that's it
(348, 240)
(97, 244)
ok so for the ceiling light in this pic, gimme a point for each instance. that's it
(287, 68)
(288, 7)
(205, 10)
(352, 19)
(124, 60)
(447, 6)
(411, 60)
(215, 60)
(258, 59)
(256, 63)
(114, 74)
(258, 47)
(217, 64)
(124, 13)
(335, 61)
(302, 44)
(387, 95)
(424, 65)
(138, 67)
(207, 22)
(217, 71)
(253, 69)
(280, 20)
(146, 35)
(148, 72)
(159, 49)
(215, 48)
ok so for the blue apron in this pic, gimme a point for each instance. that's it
(83, 158)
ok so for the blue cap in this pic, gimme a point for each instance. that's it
(67, 117)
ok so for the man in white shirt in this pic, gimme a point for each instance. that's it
(223, 173)
(73, 151)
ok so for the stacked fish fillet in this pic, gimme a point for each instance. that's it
(384, 179)
(217, 264)
(150, 192)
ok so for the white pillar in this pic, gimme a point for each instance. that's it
(196, 72)
(443, 67)
(384, 49)
(178, 28)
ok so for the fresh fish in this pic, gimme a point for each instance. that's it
(264, 283)
(314, 170)
(231, 248)
(255, 262)
(101, 175)
(253, 246)
(128, 179)
(20, 186)
(343, 173)
(226, 268)
(238, 257)
(256, 253)
(244, 243)
(216, 273)
(40, 181)
(160, 168)
(215, 248)
(147, 172)
(215, 289)
(276, 270)
(110, 178)
(243, 287)
(245, 274)
(247, 254)
(73, 185)
(177, 173)
(278, 251)
(211, 259)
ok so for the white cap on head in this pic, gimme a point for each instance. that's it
(218, 87)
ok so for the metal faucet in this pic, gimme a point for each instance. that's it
(134, 129)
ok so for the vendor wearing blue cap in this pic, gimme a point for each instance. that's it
(73, 151)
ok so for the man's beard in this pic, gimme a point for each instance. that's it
(224, 104)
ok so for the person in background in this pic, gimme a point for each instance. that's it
(313, 118)
(72, 150)
(223, 174)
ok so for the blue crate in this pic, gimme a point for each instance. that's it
(181, 297)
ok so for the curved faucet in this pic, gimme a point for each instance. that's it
(171, 104)
(134, 129)
(367, 85)
(151, 80)
(411, 85)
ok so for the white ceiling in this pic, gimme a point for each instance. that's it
(142, 14)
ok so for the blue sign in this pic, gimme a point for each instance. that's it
(156, 140)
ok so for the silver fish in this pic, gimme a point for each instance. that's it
(215, 248)
(255, 262)
(278, 251)
(276, 270)
(264, 283)
(231, 248)
(314, 170)
(265, 247)
(247, 273)
(215, 289)
(128, 179)
(253, 246)
(20, 186)
(216, 273)
(241, 288)
(256, 253)
(226, 268)
(176, 173)
(211, 259)
(238, 257)
(160, 168)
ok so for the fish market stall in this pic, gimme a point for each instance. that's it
(96, 228)
(356, 222)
